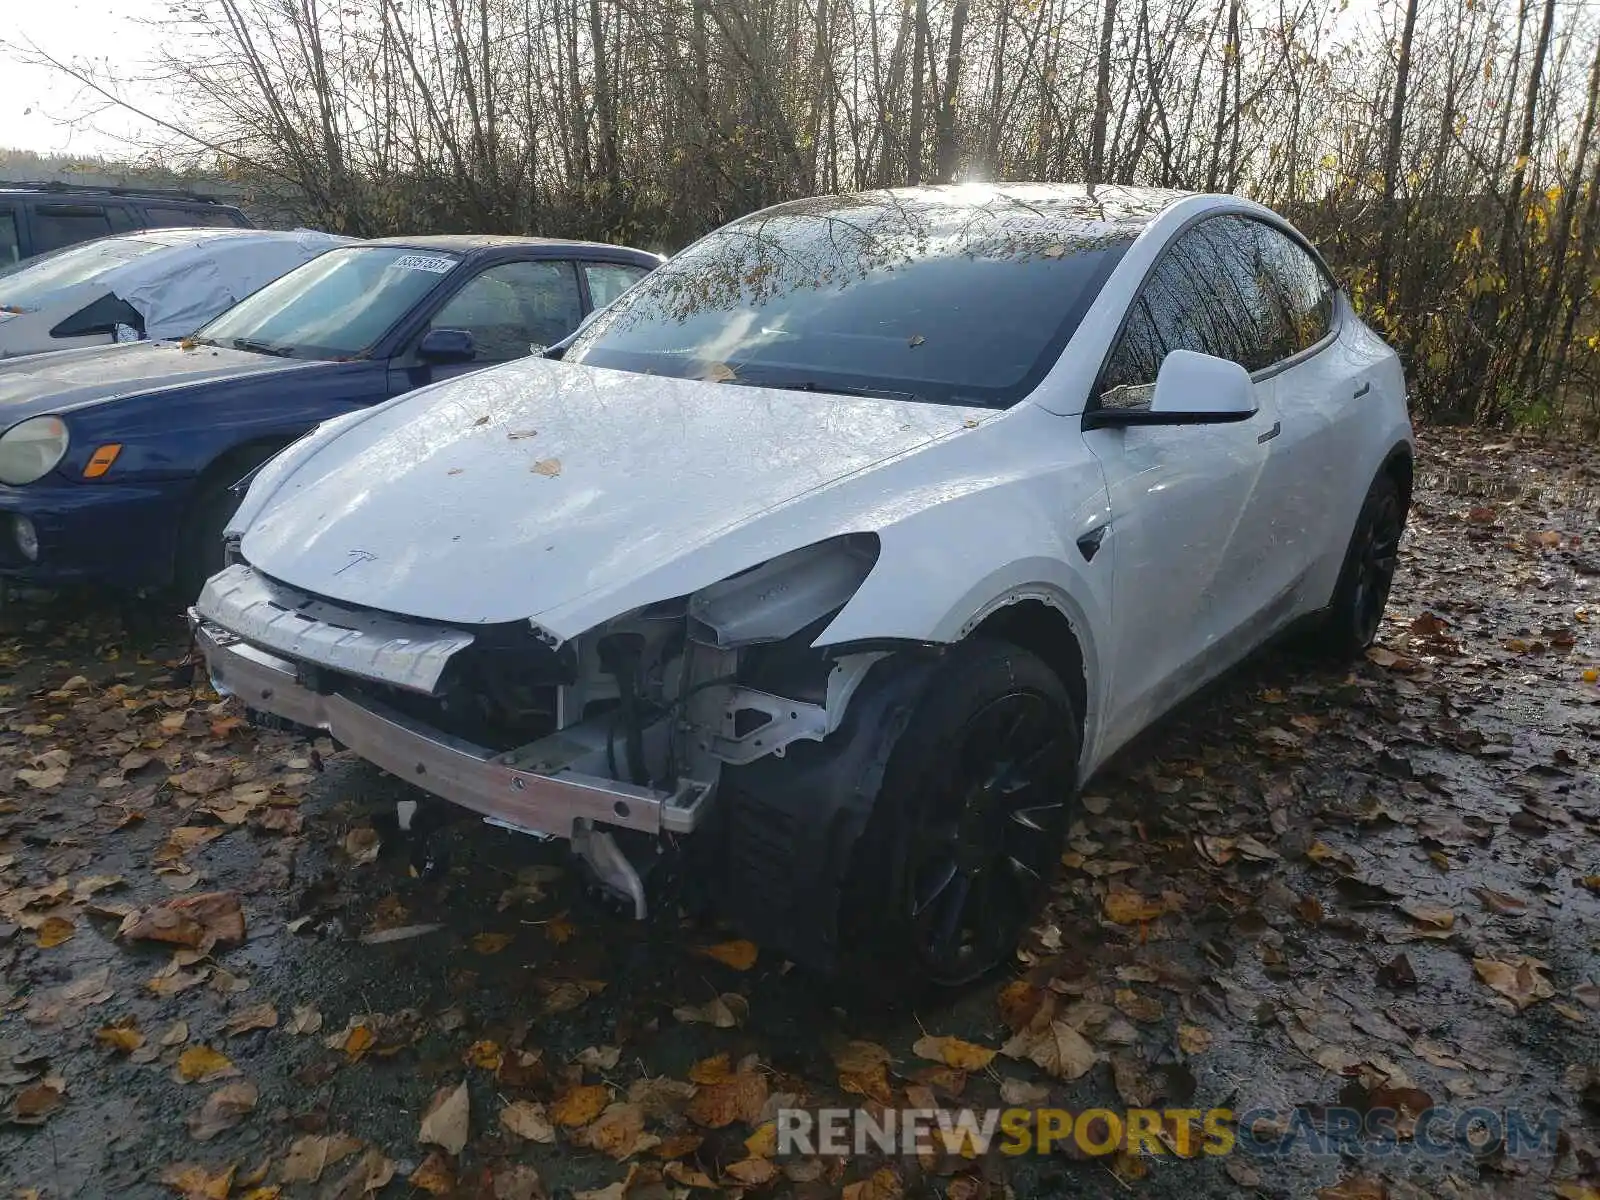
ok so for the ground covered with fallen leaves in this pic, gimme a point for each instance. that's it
(1311, 888)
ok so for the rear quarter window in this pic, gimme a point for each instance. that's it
(168, 216)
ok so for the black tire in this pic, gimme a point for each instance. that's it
(200, 540)
(1351, 621)
(966, 831)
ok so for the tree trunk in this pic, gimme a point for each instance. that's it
(919, 56)
(947, 153)
(1095, 166)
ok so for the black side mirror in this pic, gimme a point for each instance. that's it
(446, 346)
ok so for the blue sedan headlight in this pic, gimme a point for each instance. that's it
(30, 449)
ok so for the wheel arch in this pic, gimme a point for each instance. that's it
(1400, 465)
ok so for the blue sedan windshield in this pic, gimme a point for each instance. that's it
(338, 305)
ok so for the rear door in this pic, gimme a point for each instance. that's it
(1187, 564)
(1318, 385)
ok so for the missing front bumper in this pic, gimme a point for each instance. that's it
(476, 778)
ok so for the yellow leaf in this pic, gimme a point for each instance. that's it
(1130, 908)
(579, 1105)
(711, 1070)
(200, 1064)
(52, 931)
(121, 1038)
(953, 1052)
(486, 1055)
(763, 1143)
(491, 943)
(560, 930)
(740, 955)
(359, 1041)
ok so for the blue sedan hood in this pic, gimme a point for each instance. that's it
(74, 379)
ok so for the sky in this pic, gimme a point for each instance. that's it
(35, 99)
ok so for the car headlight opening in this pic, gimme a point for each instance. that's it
(30, 449)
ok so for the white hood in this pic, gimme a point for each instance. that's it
(514, 491)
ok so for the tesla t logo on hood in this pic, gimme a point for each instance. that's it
(357, 557)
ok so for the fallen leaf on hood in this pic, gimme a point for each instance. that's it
(202, 1064)
(618, 1131)
(527, 1120)
(446, 1121)
(313, 1154)
(953, 1052)
(740, 954)
(1058, 1048)
(223, 1109)
(257, 1016)
(1518, 980)
(548, 467)
(52, 931)
(718, 372)
(194, 1182)
(741, 1098)
(725, 1011)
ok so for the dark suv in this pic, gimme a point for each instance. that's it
(37, 217)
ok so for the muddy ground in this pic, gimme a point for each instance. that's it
(1310, 889)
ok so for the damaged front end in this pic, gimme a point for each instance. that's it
(615, 740)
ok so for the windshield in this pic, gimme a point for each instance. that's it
(28, 284)
(946, 295)
(338, 305)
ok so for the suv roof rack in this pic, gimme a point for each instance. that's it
(55, 185)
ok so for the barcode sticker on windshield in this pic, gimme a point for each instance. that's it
(425, 262)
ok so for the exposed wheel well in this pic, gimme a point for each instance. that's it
(1045, 631)
(238, 460)
(1400, 467)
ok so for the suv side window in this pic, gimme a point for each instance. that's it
(513, 307)
(170, 216)
(607, 281)
(10, 236)
(1301, 291)
(1227, 287)
(59, 225)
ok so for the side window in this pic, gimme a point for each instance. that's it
(10, 239)
(1302, 292)
(1174, 310)
(514, 307)
(170, 216)
(1230, 287)
(122, 219)
(607, 281)
(58, 225)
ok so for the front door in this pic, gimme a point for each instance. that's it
(1191, 571)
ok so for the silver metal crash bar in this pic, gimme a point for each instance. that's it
(450, 768)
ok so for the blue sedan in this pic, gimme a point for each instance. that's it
(117, 463)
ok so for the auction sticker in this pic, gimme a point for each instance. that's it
(424, 262)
